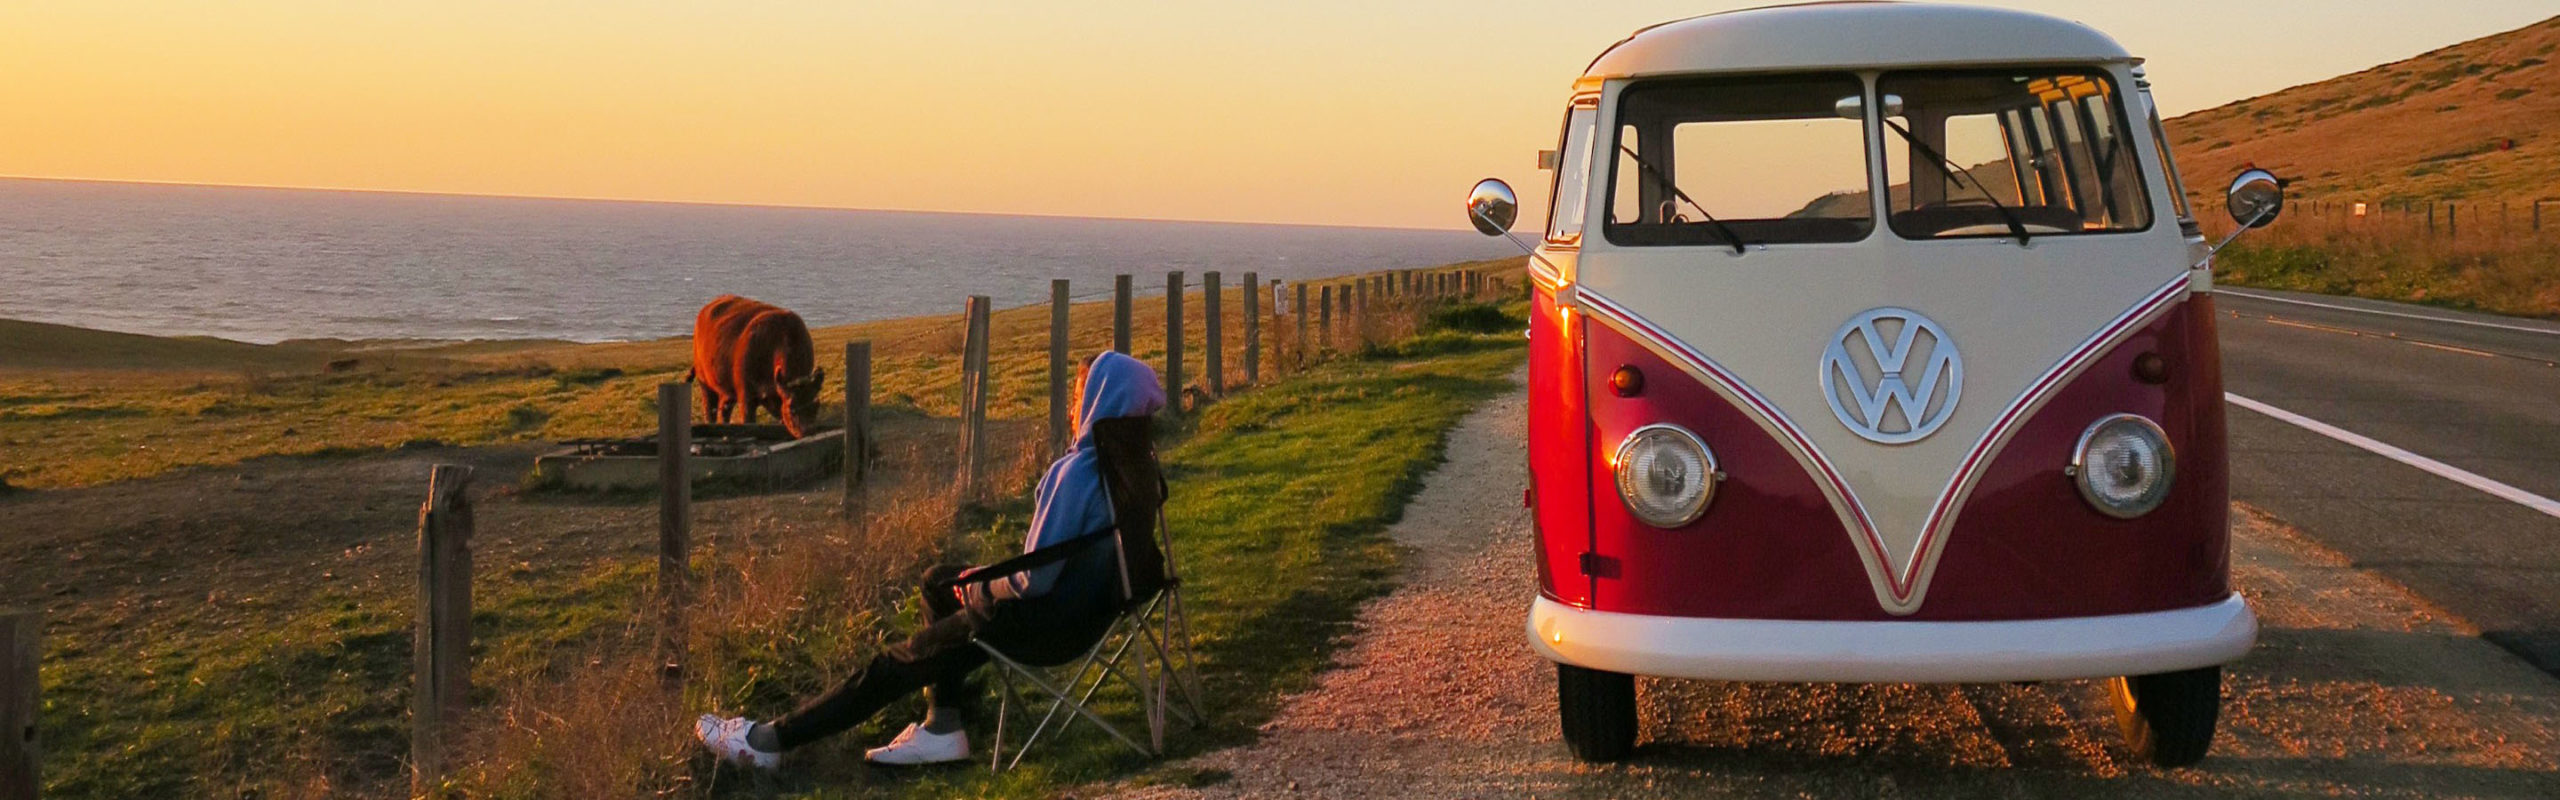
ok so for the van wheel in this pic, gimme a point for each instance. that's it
(1599, 711)
(2168, 718)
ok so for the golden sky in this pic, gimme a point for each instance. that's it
(1349, 113)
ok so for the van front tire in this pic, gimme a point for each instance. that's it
(1599, 712)
(2168, 718)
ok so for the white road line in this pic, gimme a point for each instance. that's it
(2440, 469)
(2428, 317)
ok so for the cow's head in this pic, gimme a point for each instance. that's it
(800, 402)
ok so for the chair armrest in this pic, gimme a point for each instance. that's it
(1035, 559)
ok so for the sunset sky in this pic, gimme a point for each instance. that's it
(1350, 113)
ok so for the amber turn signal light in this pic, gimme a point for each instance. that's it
(2151, 368)
(1626, 382)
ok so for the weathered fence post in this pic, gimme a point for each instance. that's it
(1213, 363)
(1252, 329)
(973, 398)
(21, 753)
(1059, 375)
(441, 649)
(1324, 317)
(2453, 220)
(1120, 313)
(1173, 340)
(675, 525)
(857, 425)
(1299, 310)
(1360, 310)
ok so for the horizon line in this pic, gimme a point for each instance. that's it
(710, 203)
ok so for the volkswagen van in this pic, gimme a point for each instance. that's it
(1874, 342)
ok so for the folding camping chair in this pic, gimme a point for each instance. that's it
(1148, 622)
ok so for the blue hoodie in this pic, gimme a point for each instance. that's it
(1071, 500)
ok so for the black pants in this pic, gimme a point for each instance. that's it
(940, 656)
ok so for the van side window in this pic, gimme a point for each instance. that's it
(1573, 176)
(1986, 153)
(2169, 163)
(1753, 161)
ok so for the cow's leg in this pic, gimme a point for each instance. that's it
(711, 409)
(750, 406)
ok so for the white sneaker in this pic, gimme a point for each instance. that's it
(727, 739)
(916, 746)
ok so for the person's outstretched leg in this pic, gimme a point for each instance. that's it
(942, 649)
(951, 700)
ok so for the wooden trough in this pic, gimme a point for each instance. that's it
(754, 457)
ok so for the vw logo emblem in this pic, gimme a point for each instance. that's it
(1892, 375)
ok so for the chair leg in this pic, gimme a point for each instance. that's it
(1188, 669)
(1059, 700)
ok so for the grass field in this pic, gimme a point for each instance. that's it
(299, 688)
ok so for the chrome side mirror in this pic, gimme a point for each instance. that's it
(2256, 198)
(1491, 207)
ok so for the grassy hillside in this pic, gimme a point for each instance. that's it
(2472, 121)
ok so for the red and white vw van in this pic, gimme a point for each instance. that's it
(1874, 342)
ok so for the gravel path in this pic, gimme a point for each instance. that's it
(2357, 688)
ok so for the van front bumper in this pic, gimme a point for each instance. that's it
(1816, 651)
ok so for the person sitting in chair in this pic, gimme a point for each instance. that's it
(1050, 608)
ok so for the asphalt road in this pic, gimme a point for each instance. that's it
(2476, 393)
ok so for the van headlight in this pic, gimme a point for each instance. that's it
(1666, 475)
(2124, 466)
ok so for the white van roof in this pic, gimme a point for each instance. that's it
(1852, 34)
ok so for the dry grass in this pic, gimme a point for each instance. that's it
(2468, 122)
(776, 609)
(2503, 268)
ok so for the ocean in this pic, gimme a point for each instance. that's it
(265, 265)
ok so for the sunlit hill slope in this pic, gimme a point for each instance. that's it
(2468, 122)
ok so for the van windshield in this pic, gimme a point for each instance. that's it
(1729, 162)
(2046, 151)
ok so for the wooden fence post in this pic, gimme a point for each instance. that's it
(1173, 340)
(1360, 310)
(857, 425)
(2431, 218)
(1120, 313)
(441, 649)
(1299, 310)
(21, 752)
(1252, 329)
(1213, 362)
(2452, 220)
(1059, 375)
(973, 398)
(1324, 317)
(675, 525)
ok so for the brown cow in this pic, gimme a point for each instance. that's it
(749, 355)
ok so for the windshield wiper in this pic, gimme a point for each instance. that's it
(1721, 228)
(1939, 160)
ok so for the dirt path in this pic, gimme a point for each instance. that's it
(2357, 687)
